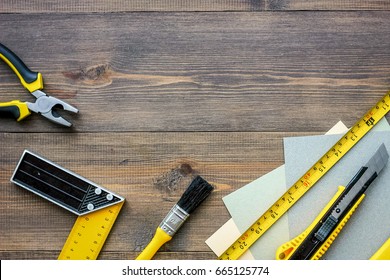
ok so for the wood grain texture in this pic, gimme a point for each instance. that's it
(151, 170)
(233, 72)
(326, 5)
(93, 6)
(105, 255)
(88, 6)
(170, 89)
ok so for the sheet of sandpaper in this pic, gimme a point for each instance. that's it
(240, 205)
(369, 227)
(250, 202)
(247, 203)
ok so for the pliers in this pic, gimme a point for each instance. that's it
(44, 105)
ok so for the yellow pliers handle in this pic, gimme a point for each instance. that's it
(15, 108)
(31, 80)
(44, 105)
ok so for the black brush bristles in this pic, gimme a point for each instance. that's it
(196, 192)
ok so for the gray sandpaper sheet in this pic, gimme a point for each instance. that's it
(369, 227)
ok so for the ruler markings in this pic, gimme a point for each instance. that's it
(319, 169)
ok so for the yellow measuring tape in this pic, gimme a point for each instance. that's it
(89, 233)
(297, 190)
(383, 253)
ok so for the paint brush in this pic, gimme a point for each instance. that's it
(195, 194)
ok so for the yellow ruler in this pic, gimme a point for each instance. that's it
(89, 233)
(297, 190)
(96, 207)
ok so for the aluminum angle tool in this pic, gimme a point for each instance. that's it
(61, 186)
(44, 105)
(313, 243)
(96, 207)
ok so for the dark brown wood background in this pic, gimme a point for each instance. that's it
(170, 89)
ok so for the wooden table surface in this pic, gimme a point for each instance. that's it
(171, 89)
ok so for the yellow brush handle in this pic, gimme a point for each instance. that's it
(383, 253)
(159, 239)
(285, 251)
(16, 109)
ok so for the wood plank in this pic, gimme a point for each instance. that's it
(101, 6)
(114, 255)
(93, 6)
(197, 72)
(151, 170)
(325, 5)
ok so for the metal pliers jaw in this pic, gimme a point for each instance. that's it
(44, 105)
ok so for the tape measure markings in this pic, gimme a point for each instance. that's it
(321, 167)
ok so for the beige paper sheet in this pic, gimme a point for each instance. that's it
(261, 197)
(217, 242)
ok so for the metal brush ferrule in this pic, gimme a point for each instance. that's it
(174, 220)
